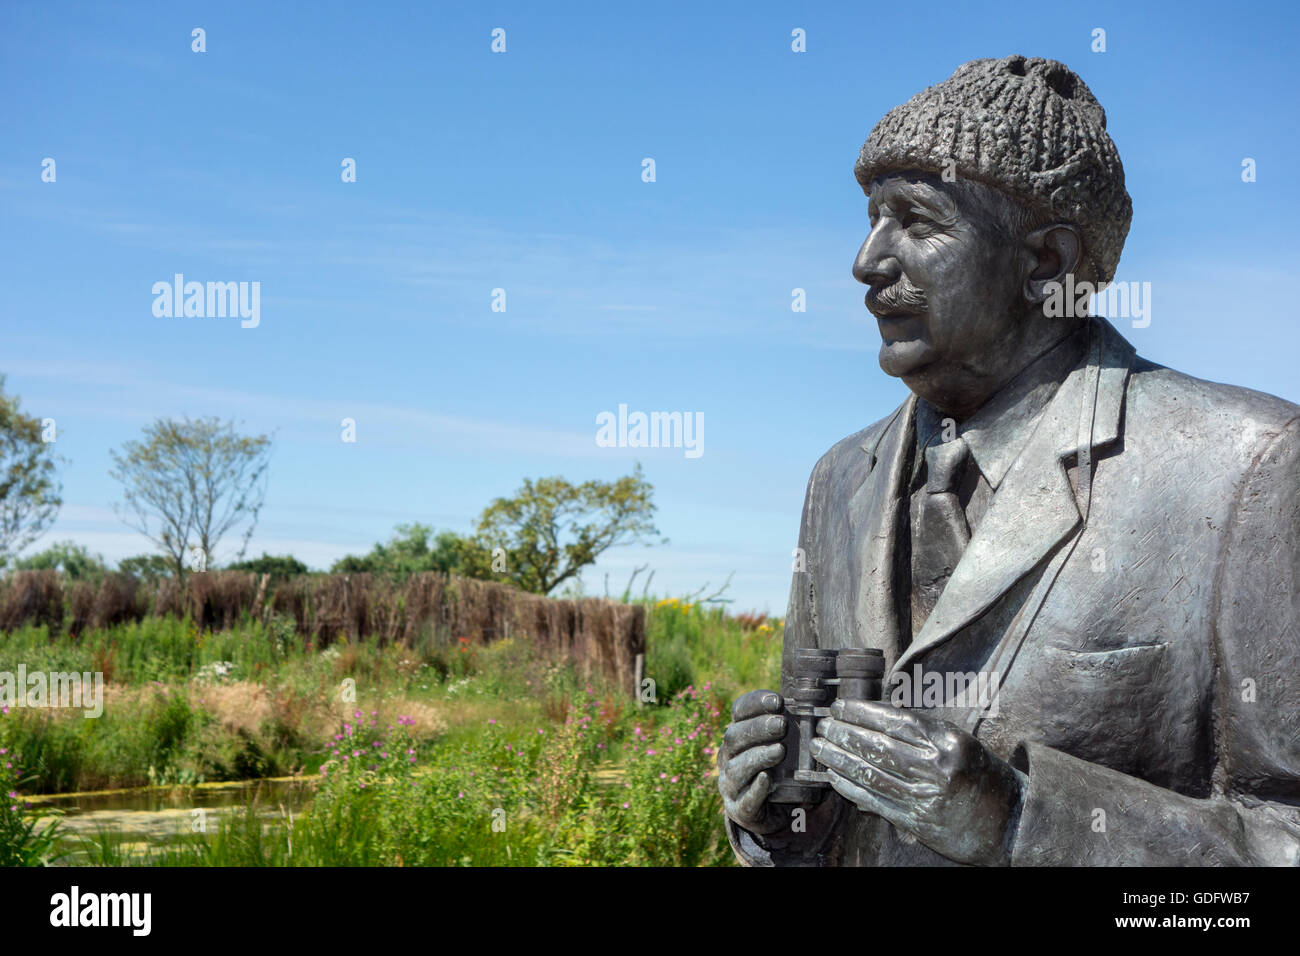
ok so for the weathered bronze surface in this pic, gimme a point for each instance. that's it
(1082, 569)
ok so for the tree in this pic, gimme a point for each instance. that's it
(147, 567)
(67, 557)
(189, 483)
(550, 530)
(29, 488)
(409, 551)
(286, 566)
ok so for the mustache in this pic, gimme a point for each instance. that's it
(900, 298)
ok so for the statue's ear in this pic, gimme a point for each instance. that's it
(1056, 250)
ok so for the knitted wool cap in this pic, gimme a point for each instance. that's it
(1029, 127)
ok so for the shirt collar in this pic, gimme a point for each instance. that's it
(998, 431)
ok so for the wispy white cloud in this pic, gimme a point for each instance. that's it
(306, 413)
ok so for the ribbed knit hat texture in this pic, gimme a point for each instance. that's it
(1028, 126)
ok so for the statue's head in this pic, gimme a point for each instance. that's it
(983, 191)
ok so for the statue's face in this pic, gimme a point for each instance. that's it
(946, 290)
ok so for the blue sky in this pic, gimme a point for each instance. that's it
(522, 171)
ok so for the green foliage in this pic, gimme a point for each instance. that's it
(22, 843)
(550, 530)
(147, 742)
(190, 482)
(538, 539)
(507, 796)
(279, 567)
(382, 810)
(147, 567)
(167, 720)
(165, 729)
(580, 774)
(690, 643)
(29, 488)
(671, 810)
(68, 557)
(409, 551)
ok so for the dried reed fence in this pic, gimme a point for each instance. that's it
(601, 636)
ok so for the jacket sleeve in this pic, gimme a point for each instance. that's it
(807, 846)
(1252, 816)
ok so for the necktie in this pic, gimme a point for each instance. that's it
(939, 530)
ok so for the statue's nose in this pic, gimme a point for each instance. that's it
(874, 266)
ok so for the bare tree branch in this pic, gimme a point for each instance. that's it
(192, 482)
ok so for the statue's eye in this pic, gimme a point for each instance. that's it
(915, 217)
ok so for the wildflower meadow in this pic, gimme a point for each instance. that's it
(450, 753)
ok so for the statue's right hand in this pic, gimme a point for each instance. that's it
(750, 747)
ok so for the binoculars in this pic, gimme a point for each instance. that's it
(821, 675)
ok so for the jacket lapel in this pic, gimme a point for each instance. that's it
(1034, 509)
(874, 513)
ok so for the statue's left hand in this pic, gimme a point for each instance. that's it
(925, 776)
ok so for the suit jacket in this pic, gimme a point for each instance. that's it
(1149, 655)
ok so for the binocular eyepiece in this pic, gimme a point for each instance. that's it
(821, 675)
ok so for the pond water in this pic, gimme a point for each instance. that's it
(156, 816)
(159, 815)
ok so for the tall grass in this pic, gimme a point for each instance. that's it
(511, 797)
(573, 770)
(689, 644)
(22, 842)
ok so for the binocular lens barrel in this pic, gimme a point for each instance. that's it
(860, 672)
(820, 676)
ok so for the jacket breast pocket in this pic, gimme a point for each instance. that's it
(1113, 666)
(1107, 706)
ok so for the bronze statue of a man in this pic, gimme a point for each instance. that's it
(1110, 547)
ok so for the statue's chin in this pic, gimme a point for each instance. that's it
(899, 358)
